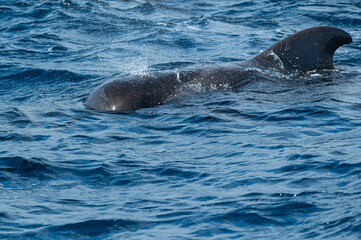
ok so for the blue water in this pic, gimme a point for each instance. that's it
(279, 158)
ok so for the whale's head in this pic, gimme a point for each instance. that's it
(114, 96)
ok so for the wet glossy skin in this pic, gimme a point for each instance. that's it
(309, 49)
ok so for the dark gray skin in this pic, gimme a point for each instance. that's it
(307, 50)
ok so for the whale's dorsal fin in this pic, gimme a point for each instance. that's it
(309, 49)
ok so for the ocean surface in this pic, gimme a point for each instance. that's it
(278, 158)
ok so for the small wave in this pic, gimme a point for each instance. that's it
(32, 167)
(42, 76)
(291, 209)
(22, 137)
(90, 228)
(335, 228)
(16, 118)
(145, 8)
(244, 218)
(202, 119)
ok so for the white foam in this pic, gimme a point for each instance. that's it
(137, 68)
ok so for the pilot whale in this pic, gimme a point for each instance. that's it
(306, 50)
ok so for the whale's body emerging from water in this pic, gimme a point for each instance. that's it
(309, 49)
